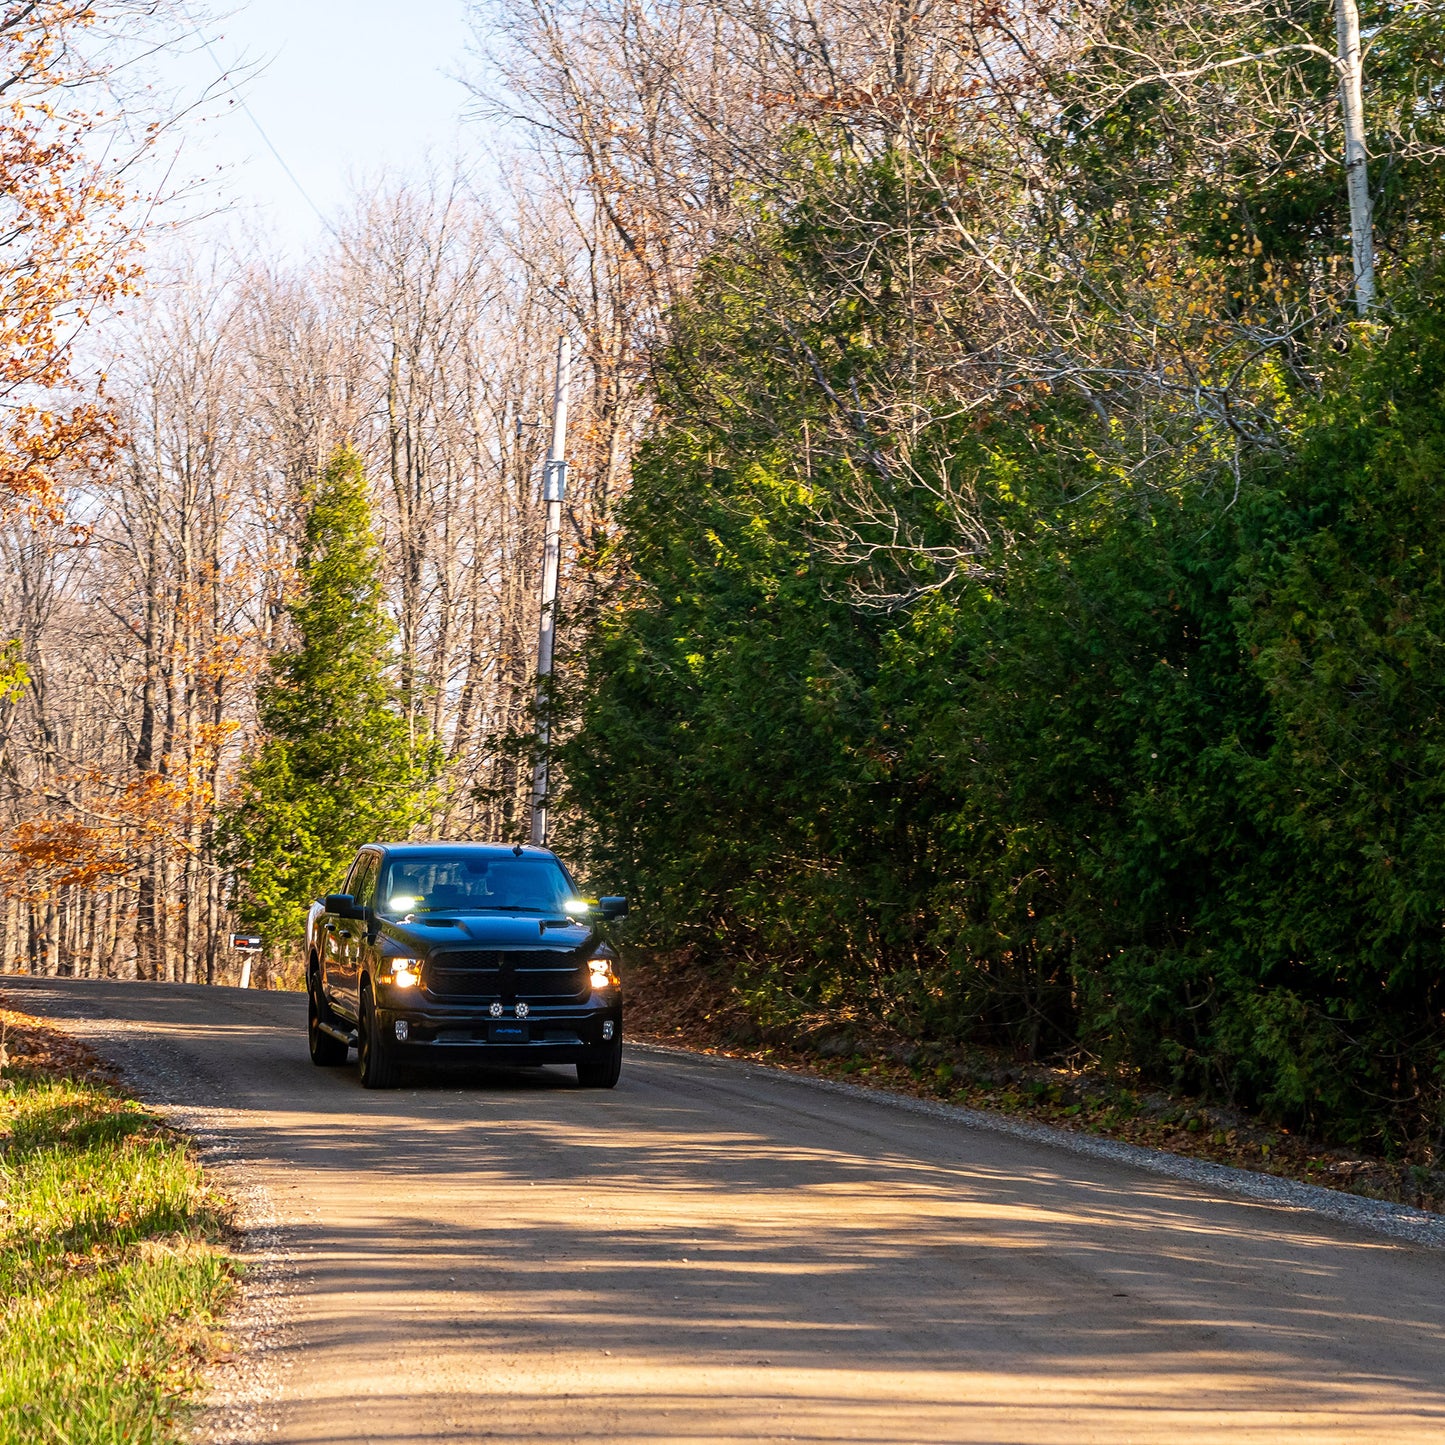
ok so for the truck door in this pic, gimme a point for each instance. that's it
(338, 937)
(335, 934)
(363, 889)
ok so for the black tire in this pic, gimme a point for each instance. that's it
(603, 1066)
(376, 1053)
(326, 1052)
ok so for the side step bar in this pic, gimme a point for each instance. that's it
(349, 1039)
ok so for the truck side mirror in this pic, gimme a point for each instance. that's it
(613, 907)
(343, 905)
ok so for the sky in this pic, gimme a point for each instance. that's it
(342, 88)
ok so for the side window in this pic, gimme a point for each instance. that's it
(353, 874)
(365, 883)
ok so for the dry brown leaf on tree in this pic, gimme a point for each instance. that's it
(68, 244)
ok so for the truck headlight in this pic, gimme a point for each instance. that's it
(405, 972)
(602, 974)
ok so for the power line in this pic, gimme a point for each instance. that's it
(240, 99)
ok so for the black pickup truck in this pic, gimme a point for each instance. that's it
(470, 952)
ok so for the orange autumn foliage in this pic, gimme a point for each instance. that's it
(95, 843)
(68, 242)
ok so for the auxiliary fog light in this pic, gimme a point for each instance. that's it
(402, 1030)
(606, 1030)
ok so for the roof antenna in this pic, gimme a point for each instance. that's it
(517, 849)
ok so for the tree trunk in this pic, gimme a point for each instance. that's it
(1357, 181)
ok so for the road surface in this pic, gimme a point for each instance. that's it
(713, 1254)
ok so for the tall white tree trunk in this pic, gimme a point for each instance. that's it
(1362, 236)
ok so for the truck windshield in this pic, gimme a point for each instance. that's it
(454, 882)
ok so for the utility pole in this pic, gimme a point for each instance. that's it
(554, 485)
(1357, 182)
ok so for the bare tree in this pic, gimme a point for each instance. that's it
(1142, 286)
(419, 339)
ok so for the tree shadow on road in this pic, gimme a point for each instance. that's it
(712, 1253)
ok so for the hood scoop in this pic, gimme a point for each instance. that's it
(496, 928)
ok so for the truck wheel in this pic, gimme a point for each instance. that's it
(602, 1067)
(374, 1051)
(326, 1052)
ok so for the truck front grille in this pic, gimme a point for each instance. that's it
(484, 977)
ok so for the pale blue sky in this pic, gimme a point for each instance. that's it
(345, 88)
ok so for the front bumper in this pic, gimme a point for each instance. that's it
(551, 1033)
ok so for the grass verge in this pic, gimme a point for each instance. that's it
(672, 998)
(112, 1261)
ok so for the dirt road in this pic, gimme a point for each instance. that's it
(710, 1254)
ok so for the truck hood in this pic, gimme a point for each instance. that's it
(487, 930)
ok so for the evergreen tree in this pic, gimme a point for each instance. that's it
(338, 764)
(1164, 789)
